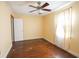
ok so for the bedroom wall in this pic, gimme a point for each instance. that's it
(48, 27)
(32, 26)
(74, 42)
(5, 29)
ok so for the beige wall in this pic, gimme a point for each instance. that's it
(48, 27)
(74, 42)
(32, 26)
(5, 29)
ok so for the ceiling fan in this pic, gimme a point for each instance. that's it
(39, 7)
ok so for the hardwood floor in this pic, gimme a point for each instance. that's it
(37, 48)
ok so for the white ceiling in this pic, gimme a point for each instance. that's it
(22, 7)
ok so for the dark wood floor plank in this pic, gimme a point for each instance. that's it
(37, 48)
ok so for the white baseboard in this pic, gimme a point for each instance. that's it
(73, 53)
(49, 40)
(30, 38)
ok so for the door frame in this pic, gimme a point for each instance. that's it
(12, 28)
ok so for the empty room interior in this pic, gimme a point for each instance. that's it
(39, 29)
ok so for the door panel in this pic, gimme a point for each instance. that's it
(18, 29)
(59, 41)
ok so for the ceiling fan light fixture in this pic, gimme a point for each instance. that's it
(39, 7)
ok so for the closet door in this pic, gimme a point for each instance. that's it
(59, 21)
(18, 29)
(63, 29)
(68, 27)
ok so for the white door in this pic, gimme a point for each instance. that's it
(18, 29)
(63, 23)
(59, 39)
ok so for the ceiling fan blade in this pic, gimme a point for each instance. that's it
(32, 11)
(46, 9)
(32, 6)
(46, 4)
